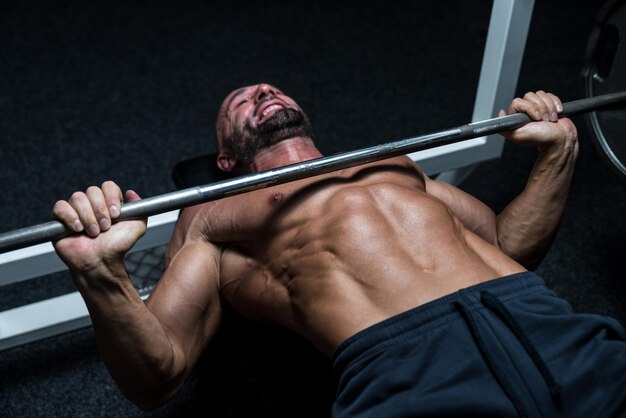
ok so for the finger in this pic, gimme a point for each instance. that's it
(538, 106)
(65, 213)
(81, 204)
(113, 198)
(557, 102)
(526, 106)
(132, 196)
(99, 205)
(549, 104)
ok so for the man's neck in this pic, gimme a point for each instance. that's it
(289, 151)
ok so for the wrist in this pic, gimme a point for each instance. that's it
(555, 165)
(564, 137)
(98, 265)
(564, 147)
(103, 275)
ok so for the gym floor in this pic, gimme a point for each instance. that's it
(91, 91)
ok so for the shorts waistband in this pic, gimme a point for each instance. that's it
(431, 315)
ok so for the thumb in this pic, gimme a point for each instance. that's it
(132, 196)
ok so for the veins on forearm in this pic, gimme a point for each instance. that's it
(527, 227)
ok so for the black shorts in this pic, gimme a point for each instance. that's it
(507, 347)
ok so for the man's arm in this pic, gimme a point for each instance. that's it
(527, 226)
(149, 348)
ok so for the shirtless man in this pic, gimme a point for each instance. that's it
(418, 291)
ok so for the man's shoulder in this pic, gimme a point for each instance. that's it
(219, 221)
(192, 223)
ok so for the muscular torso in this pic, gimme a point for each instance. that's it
(330, 255)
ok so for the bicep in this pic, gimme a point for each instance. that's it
(475, 215)
(186, 300)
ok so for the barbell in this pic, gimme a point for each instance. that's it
(54, 230)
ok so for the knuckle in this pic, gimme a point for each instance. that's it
(59, 207)
(77, 196)
(109, 185)
(92, 189)
(554, 97)
(518, 102)
(99, 212)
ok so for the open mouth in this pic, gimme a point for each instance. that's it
(268, 108)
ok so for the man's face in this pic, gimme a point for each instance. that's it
(256, 117)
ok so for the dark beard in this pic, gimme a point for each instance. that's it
(284, 124)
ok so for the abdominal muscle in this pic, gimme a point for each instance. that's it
(353, 256)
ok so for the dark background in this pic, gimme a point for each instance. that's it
(91, 91)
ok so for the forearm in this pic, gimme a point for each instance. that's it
(148, 348)
(527, 226)
(133, 343)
